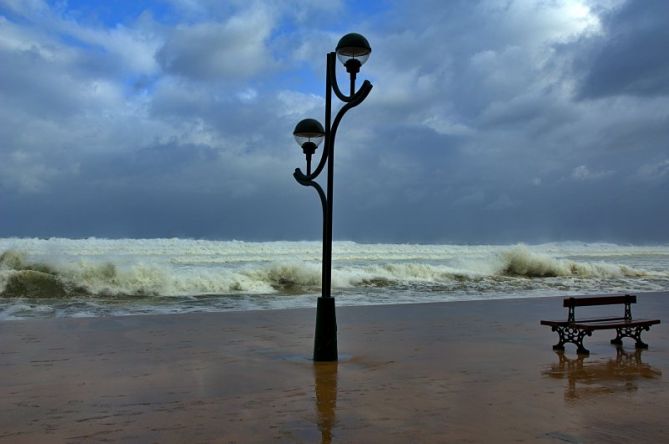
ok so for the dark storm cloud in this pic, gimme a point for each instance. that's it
(485, 123)
(632, 57)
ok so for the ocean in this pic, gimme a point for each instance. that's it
(47, 278)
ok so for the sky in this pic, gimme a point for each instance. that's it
(491, 121)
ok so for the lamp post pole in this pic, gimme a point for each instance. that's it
(352, 50)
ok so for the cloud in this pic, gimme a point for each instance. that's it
(582, 172)
(630, 58)
(25, 7)
(180, 123)
(503, 202)
(655, 171)
(233, 49)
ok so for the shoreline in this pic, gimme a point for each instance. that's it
(338, 306)
(465, 371)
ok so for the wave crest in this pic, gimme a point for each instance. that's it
(521, 262)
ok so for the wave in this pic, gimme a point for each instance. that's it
(520, 261)
(22, 278)
(164, 273)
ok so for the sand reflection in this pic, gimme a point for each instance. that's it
(586, 377)
(325, 385)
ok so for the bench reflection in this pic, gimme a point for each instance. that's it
(587, 377)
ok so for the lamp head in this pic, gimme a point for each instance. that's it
(309, 132)
(353, 50)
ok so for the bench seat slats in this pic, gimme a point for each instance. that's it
(597, 324)
(614, 318)
(617, 324)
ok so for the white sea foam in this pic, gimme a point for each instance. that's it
(520, 261)
(280, 274)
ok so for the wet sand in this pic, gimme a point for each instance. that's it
(448, 372)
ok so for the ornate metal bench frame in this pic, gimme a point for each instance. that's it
(572, 331)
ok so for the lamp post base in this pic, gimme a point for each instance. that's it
(325, 341)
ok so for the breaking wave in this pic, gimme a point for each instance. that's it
(22, 278)
(286, 268)
(519, 261)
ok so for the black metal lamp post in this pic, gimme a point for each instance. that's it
(352, 50)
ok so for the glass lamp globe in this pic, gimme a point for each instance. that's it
(309, 130)
(353, 46)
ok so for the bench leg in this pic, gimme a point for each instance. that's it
(561, 341)
(582, 350)
(630, 332)
(573, 335)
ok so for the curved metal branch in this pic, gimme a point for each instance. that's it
(335, 86)
(351, 101)
(321, 163)
(358, 97)
(355, 100)
(329, 63)
(301, 178)
(304, 180)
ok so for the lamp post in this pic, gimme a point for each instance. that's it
(352, 50)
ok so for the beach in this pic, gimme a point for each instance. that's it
(476, 371)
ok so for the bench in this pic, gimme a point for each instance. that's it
(574, 331)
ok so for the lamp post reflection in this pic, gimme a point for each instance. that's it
(325, 387)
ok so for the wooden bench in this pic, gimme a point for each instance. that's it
(574, 331)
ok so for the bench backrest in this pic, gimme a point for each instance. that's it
(600, 300)
(572, 302)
